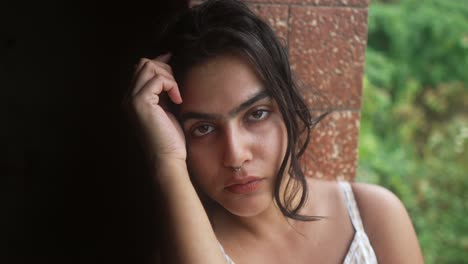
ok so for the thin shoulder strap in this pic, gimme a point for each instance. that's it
(226, 256)
(351, 205)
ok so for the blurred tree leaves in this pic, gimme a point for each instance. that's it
(414, 128)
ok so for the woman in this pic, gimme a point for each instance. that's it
(223, 126)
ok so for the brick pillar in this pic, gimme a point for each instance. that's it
(326, 41)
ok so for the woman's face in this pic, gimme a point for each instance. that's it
(230, 121)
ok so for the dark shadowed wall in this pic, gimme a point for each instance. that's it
(73, 184)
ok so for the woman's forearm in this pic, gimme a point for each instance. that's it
(189, 235)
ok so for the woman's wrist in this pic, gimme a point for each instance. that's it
(169, 170)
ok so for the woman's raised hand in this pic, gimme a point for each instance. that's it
(162, 136)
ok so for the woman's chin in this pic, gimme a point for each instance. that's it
(247, 207)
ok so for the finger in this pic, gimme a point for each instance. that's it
(163, 65)
(174, 94)
(163, 60)
(160, 60)
(148, 71)
(148, 75)
(131, 89)
(164, 57)
(159, 69)
(157, 85)
(140, 65)
(136, 73)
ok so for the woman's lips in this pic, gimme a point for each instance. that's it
(245, 185)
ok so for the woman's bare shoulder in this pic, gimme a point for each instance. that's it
(387, 224)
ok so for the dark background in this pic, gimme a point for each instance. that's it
(73, 186)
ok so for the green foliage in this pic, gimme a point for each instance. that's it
(414, 128)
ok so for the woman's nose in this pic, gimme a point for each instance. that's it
(237, 147)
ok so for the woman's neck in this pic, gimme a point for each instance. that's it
(259, 227)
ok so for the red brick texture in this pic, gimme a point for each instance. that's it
(326, 41)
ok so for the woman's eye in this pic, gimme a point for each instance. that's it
(202, 130)
(258, 115)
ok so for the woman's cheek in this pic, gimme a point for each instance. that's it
(277, 139)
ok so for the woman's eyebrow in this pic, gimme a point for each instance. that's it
(246, 104)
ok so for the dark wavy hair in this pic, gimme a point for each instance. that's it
(218, 27)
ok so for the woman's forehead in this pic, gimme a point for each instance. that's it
(226, 67)
(220, 82)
